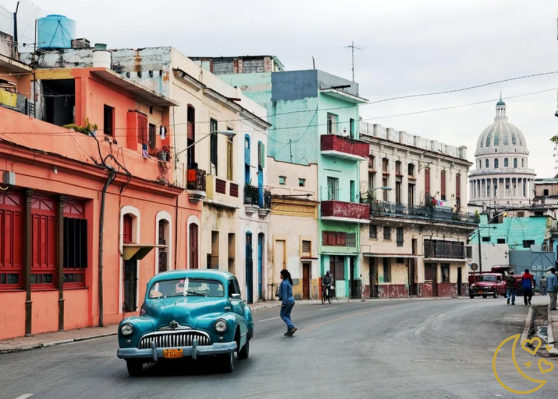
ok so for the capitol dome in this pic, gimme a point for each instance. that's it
(502, 175)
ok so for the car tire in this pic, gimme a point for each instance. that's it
(228, 362)
(135, 368)
(485, 295)
(245, 351)
(471, 296)
(495, 295)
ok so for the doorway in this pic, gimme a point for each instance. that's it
(459, 281)
(249, 269)
(130, 285)
(306, 281)
(260, 264)
(431, 275)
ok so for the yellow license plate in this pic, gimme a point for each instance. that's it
(173, 353)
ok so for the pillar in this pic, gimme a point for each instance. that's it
(60, 259)
(27, 258)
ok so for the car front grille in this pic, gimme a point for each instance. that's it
(174, 339)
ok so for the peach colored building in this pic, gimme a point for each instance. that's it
(58, 268)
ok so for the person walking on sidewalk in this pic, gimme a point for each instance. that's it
(287, 301)
(510, 288)
(527, 283)
(552, 288)
(543, 285)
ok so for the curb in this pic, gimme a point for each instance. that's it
(54, 343)
(551, 341)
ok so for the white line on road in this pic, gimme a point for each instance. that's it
(441, 315)
(27, 395)
(419, 331)
(273, 318)
(525, 334)
(323, 310)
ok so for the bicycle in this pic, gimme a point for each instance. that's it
(325, 295)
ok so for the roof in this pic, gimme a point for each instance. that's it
(275, 59)
(13, 66)
(344, 96)
(502, 136)
(501, 103)
(193, 273)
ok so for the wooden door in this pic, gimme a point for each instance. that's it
(459, 281)
(306, 281)
(430, 275)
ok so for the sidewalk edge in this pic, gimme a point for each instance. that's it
(54, 343)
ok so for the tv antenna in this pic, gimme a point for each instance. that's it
(353, 48)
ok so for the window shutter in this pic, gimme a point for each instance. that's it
(261, 155)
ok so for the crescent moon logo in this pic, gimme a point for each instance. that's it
(515, 338)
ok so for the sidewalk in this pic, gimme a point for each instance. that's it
(64, 337)
(552, 330)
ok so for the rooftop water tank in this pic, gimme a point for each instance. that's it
(55, 32)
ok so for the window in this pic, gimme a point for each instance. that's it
(191, 136)
(371, 162)
(505, 162)
(485, 239)
(352, 127)
(497, 138)
(334, 238)
(230, 156)
(193, 245)
(400, 236)
(385, 192)
(514, 141)
(75, 251)
(385, 165)
(213, 257)
(501, 241)
(373, 231)
(458, 189)
(352, 190)
(399, 260)
(397, 192)
(143, 138)
(387, 233)
(488, 138)
(411, 195)
(443, 184)
(496, 163)
(545, 192)
(43, 240)
(261, 155)
(127, 229)
(163, 261)
(333, 188)
(427, 182)
(152, 136)
(371, 180)
(445, 272)
(528, 243)
(213, 147)
(331, 123)
(253, 66)
(337, 267)
(506, 140)
(11, 226)
(108, 120)
(398, 168)
(282, 180)
(411, 170)
(231, 247)
(351, 240)
(223, 67)
(306, 247)
(247, 179)
(387, 270)
(515, 162)
(301, 182)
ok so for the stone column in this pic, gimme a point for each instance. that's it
(28, 257)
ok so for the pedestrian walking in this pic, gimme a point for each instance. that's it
(510, 288)
(543, 284)
(287, 301)
(552, 288)
(527, 284)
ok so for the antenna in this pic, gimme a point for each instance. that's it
(353, 48)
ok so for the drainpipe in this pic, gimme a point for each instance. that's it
(112, 176)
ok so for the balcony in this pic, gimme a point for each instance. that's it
(345, 211)
(253, 202)
(222, 193)
(440, 249)
(196, 185)
(436, 213)
(344, 147)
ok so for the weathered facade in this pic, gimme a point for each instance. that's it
(416, 241)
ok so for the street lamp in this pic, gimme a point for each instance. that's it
(227, 133)
(479, 237)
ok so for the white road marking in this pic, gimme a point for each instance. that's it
(441, 315)
(525, 334)
(27, 395)
(323, 310)
(273, 318)
(419, 331)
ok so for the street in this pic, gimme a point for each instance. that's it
(392, 348)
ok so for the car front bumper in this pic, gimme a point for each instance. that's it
(154, 353)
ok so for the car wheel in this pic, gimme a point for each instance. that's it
(228, 362)
(485, 295)
(471, 296)
(495, 295)
(135, 368)
(245, 351)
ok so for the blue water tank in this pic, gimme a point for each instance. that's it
(55, 32)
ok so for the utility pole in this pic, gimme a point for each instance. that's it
(353, 48)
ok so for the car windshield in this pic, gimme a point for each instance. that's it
(487, 278)
(186, 287)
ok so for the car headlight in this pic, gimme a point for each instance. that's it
(127, 329)
(221, 326)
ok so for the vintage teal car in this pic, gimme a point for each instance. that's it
(188, 313)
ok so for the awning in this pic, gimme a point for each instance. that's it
(369, 255)
(139, 250)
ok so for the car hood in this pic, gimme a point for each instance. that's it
(186, 311)
(484, 283)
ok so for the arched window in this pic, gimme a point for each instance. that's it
(505, 162)
(488, 138)
(127, 229)
(247, 159)
(193, 246)
(487, 162)
(496, 163)
(514, 141)
(497, 138)
(515, 162)
(506, 139)
(163, 239)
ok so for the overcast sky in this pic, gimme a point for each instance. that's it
(409, 47)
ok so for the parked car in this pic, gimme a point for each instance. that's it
(488, 284)
(188, 313)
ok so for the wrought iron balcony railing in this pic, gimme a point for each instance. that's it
(443, 214)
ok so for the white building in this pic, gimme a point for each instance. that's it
(502, 176)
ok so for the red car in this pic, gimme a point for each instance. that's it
(488, 284)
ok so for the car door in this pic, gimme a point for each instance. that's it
(501, 289)
(237, 304)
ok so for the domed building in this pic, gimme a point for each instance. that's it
(502, 176)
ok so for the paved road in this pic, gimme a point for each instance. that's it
(382, 349)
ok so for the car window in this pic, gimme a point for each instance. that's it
(186, 287)
(237, 287)
(488, 278)
(232, 288)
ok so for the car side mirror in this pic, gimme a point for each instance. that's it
(235, 296)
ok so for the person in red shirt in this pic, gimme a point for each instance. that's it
(528, 284)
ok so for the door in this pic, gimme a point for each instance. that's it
(260, 264)
(130, 285)
(459, 282)
(430, 275)
(306, 281)
(352, 282)
(373, 275)
(249, 269)
(332, 188)
(412, 272)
